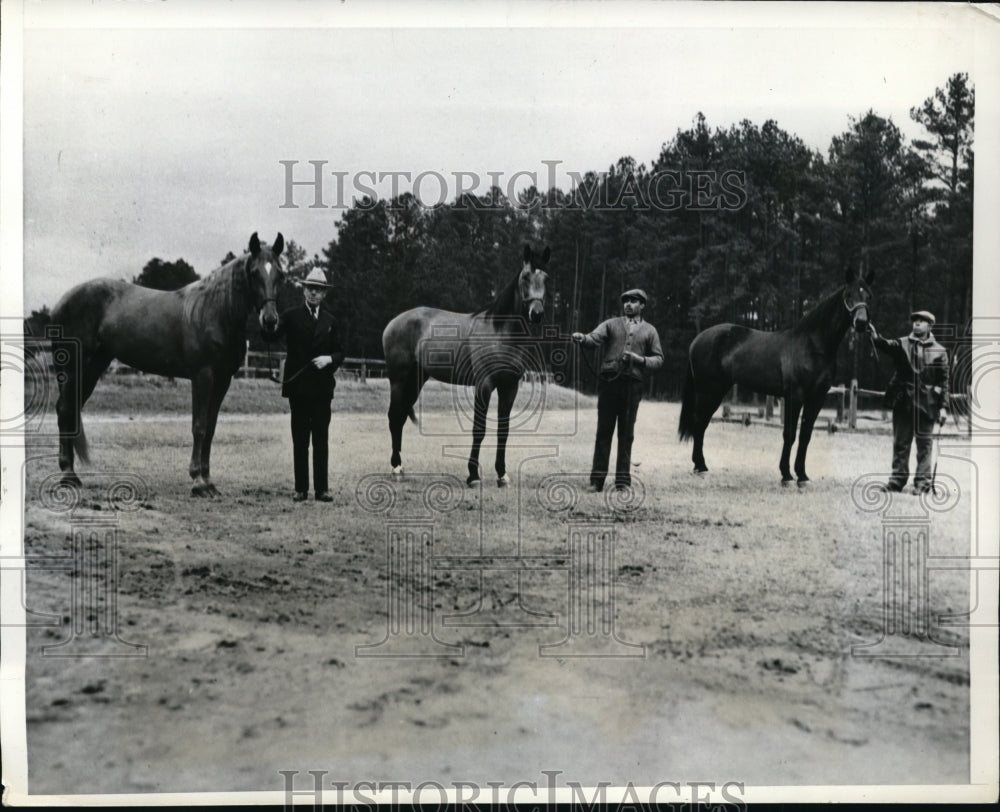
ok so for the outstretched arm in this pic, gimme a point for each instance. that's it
(595, 338)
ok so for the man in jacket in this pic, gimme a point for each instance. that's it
(630, 348)
(313, 355)
(918, 396)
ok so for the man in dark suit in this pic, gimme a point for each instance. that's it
(918, 396)
(313, 355)
(630, 349)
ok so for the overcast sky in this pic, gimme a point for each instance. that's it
(157, 142)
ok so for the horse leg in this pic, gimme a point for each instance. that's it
(810, 410)
(405, 389)
(201, 403)
(483, 393)
(793, 406)
(705, 405)
(218, 394)
(74, 391)
(505, 401)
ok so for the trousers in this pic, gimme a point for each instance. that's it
(617, 404)
(909, 424)
(310, 421)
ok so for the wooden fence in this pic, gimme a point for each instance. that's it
(263, 365)
(846, 400)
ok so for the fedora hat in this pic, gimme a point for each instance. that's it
(316, 279)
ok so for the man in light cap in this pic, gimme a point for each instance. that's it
(630, 348)
(313, 355)
(918, 396)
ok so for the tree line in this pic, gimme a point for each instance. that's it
(743, 224)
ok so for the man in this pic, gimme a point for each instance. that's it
(630, 348)
(917, 395)
(313, 355)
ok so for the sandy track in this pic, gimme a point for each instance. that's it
(745, 598)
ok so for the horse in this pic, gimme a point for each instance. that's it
(797, 364)
(489, 349)
(197, 332)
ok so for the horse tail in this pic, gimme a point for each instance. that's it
(80, 445)
(687, 424)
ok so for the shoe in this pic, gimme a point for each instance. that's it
(919, 489)
(324, 496)
(892, 487)
(592, 488)
(300, 496)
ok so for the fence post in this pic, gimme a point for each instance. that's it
(840, 406)
(364, 372)
(769, 407)
(852, 405)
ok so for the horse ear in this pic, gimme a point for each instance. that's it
(849, 275)
(545, 255)
(254, 244)
(279, 244)
(527, 252)
(870, 276)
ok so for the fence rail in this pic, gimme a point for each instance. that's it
(263, 365)
(847, 400)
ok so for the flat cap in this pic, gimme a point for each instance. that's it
(635, 293)
(922, 314)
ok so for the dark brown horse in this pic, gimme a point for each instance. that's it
(489, 349)
(197, 332)
(797, 364)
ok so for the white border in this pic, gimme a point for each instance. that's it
(310, 13)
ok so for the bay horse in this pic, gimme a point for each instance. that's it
(197, 332)
(489, 349)
(797, 364)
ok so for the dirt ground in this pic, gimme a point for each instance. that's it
(736, 601)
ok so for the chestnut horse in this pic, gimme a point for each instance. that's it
(197, 332)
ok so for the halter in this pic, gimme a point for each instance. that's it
(851, 309)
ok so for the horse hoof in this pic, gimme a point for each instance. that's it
(472, 482)
(71, 479)
(503, 481)
(802, 483)
(397, 471)
(786, 482)
(699, 471)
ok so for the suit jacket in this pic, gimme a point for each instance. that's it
(305, 339)
(920, 373)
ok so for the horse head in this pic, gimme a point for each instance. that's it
(532, 284)
(856, 296)
(264, 275)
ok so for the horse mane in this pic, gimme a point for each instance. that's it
(821, 314)
(219, 297)
(503, 303)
